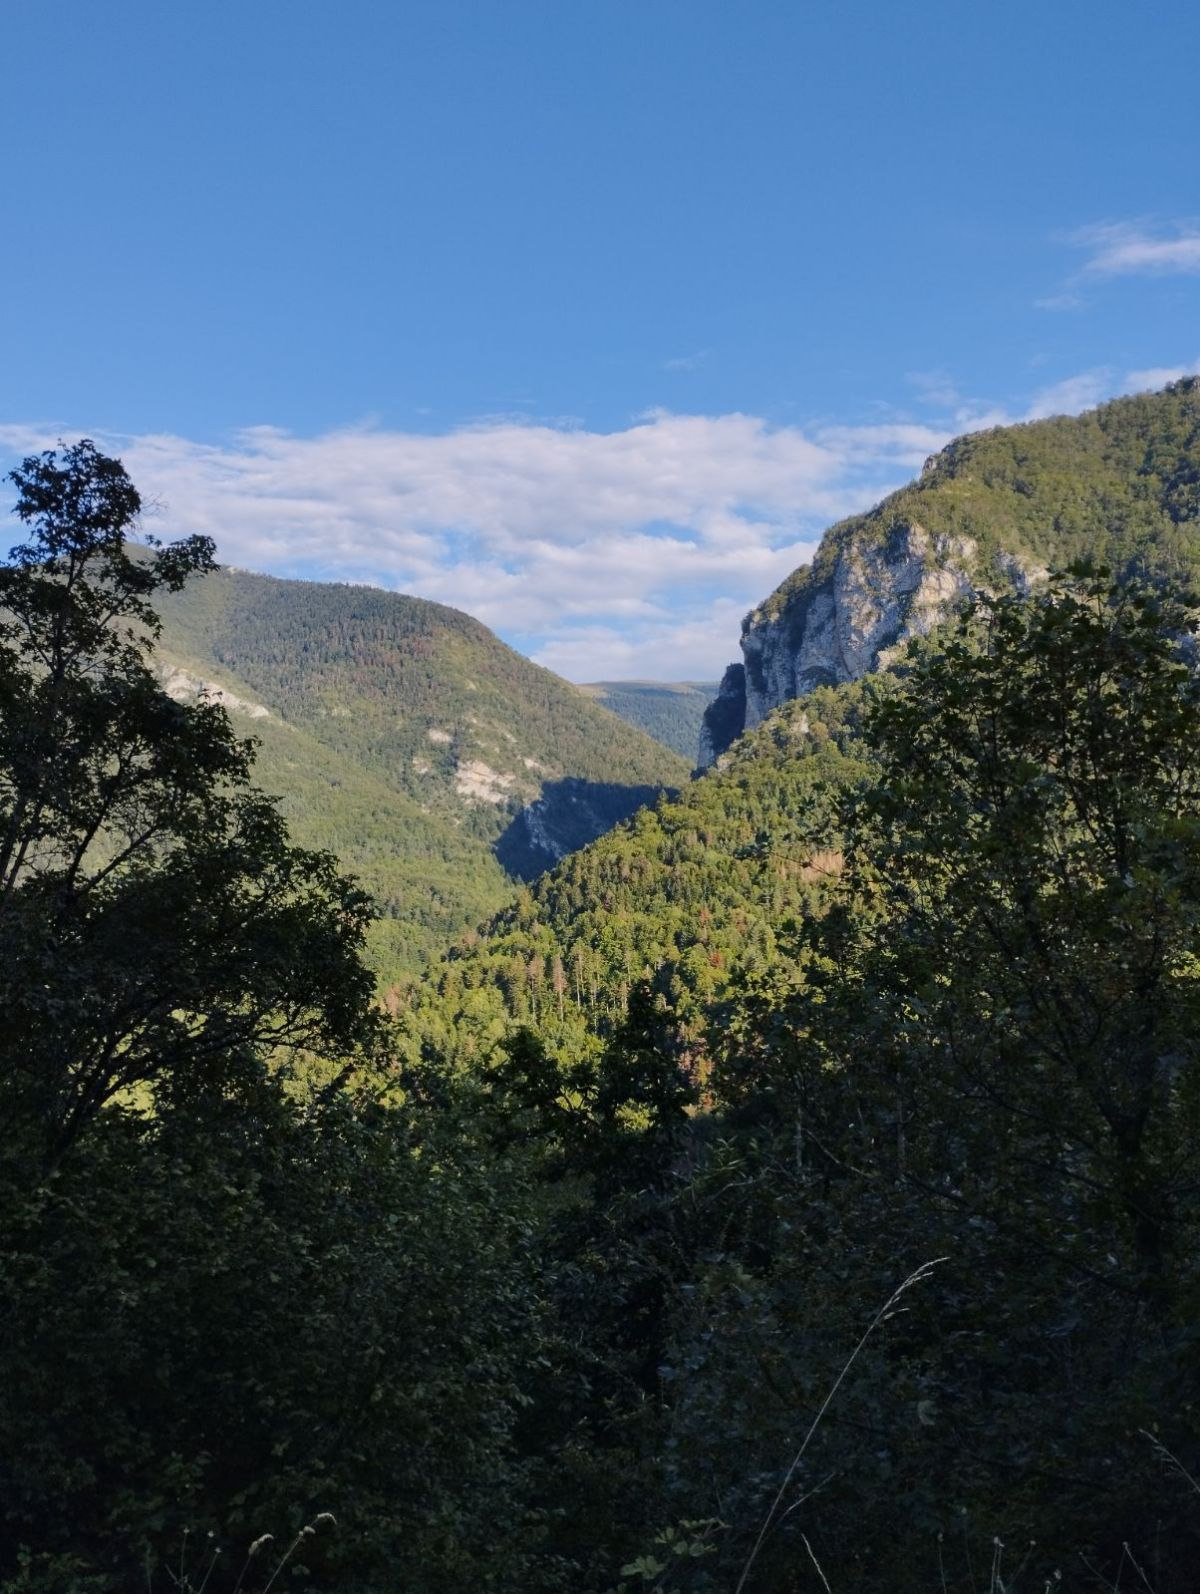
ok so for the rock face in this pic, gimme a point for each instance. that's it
(478, 782)
(1116, 486)
(840, 625)
(185, 687)
(875, 600)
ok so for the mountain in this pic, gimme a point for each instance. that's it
(439, 764)
(404, 736)
(776, 1048)
(689, 894)
(670, 711)
(692, 893)
(1119, 485)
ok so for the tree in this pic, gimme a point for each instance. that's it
(158, 934)
(230, 1304)
(986, 1049)
(1034, 845)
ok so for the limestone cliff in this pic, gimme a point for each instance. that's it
(1119, 485)
(843, 623)
(185, 687)
(725, 717)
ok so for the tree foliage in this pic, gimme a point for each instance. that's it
(548, 1286)
(156, 928)
(984, 1050)
(672, 712)
(235, 1293)
(975, 1039)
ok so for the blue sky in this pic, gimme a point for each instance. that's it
(584, 315)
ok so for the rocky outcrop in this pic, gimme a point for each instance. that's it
(824, 629)
(476, 781)
(1115, 486)
(185, 687)
(875, 599)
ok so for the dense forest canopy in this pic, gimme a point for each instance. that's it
(403, 736)
(797, 1188)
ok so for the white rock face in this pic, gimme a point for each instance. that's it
(877, 597)
(441, 737)
(478, 782)
(187, 688)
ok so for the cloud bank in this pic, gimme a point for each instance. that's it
(601, 552)
(632, 552)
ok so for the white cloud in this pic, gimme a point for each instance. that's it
(687, 362)
(1086, 389)
(631, 552)
(935, 387)
(1126, 249)
(1059, 301)
(1072, 394)
(668, 650)
(1155, 376)
(540, 531)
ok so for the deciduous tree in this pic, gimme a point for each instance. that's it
(158, 934)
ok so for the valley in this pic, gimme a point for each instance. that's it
(600, 798)
(627, 1123)
(436, 763)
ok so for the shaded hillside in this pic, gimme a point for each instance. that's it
(670, 711)
(1119, 484)
(405, 737)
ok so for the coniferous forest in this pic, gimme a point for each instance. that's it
(795, 1187)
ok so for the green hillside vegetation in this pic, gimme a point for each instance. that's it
(685, 895)
(406, 738)
(694, 893)
(885, 947)
(797, 1188)
(956, 1047)
(670, 711)
(1119, 485)
(428, 877)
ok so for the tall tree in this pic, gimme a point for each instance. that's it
(227, 1308)
(158, 934)
(987, 1051)
(1034, 844)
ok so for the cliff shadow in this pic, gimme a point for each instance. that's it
(568, 814)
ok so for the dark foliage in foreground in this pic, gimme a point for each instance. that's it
(229, 1296)
(561, 1309)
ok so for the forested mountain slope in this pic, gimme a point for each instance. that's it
(897, 1001)
(685, 895)
(1119, 484)
(670, 711)
(406, 738)
(696, 892)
